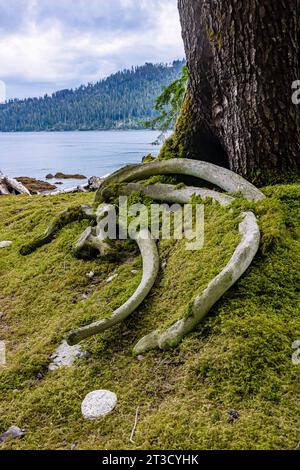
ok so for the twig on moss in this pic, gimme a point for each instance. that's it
(135, 425)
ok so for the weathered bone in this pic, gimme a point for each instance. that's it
(169, 193)
(93, 239)
(61, 220)
(150, 258)
(214, 174)
(238, 264)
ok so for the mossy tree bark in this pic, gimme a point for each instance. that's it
(242, 58)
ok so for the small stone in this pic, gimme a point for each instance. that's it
(39, 376)
(66, 355)
(163, 265)
(98, 403)
(134, 271)
(13, 432)
(111, 278)
(84, 296)
(5, 244)
(90, 274)
(73, 446)
(140, 357)
(233, 416)
(94, 183)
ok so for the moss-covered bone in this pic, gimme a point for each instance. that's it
(225, 179)
(92, 241)
(150, 258)
(61, 220)
(169, 193)
(240, 261)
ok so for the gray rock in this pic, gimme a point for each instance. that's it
(5, 244)
(98, 403)
(94, 183)
(233, 416)
(65, 356)
(13, 432)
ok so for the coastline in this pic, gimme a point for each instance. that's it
(38, 154)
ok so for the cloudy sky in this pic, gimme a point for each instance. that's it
(46, 45)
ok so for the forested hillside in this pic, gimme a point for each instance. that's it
(122, 100)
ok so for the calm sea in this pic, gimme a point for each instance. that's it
(36, 154)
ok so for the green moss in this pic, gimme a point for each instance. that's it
(61, 220)
(268, 177)
(239, 357)
(148, 158)
(180, 186)
(175, 146)
(183, 280)
(160, 179)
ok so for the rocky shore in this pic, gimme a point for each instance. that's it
(32, 186)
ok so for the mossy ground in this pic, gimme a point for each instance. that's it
(239, 357)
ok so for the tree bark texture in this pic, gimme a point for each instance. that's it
(243, 58)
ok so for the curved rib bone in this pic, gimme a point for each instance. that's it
(169, 193)
(72, 214)
(217, 175)
(150, 258)
(240, 261)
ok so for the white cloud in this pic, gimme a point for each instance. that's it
(60, 45)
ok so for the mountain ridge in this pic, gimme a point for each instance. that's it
(121, 101)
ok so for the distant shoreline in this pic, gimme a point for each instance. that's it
(52, 131)
(38, 154)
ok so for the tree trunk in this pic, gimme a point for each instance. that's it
(242, 58)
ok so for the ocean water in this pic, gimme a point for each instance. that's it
(36, 154)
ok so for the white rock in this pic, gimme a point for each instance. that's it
(98, 403)
(163, 265)
(5, 244)
(111, 278)
(65, 355)
(90, 274)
